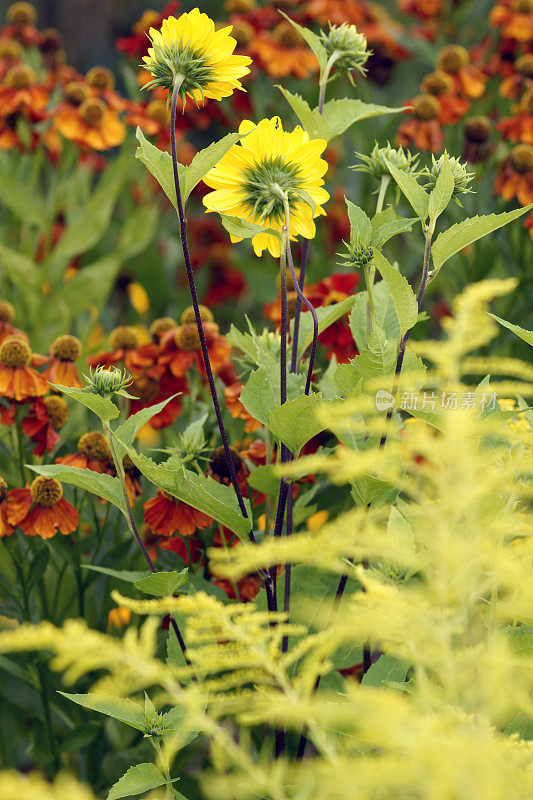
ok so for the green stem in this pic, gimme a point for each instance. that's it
(385, 180)
(370, 310)
(324, 78)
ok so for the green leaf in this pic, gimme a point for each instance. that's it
(442, 192)
(470, 230)
(159, 164)
(265, 479)
(339, 115)
(119, 708)
(386, 668)
(92, 284)
(415, 194)
(205, 160)
(243, 229)
(104, 408)
(312, 40)
(37, 567)
(295, 422)
(204, 493)
(257, 396)
(105, 486)
(243, 341)
(162, 584)
(20, 270)
(401, 293)
(80, 737)
(384, 314)
(384, 228)
(527, 336)
(137, 780)
(311, 120)
(327, 315)
(129, 429)
(360, 226)
(138, 232)
(21, 193)
(128, 576)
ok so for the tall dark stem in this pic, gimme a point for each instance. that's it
(303, 299)
(298, 308)
(201, 333)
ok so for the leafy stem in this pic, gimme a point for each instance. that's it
(384, 183)
(324, 78)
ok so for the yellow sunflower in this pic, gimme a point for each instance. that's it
(189, 50)
(267, 163)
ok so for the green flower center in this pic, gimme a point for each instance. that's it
(171, 62)
(262, 184)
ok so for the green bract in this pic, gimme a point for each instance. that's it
(171, 64)
(107, 382)
(260, 182)
(461, 177)
(346, 47)
(376, 163)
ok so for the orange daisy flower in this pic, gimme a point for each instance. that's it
(520, 79)
(10, 54)
(519, 128)
(44, 419)
(18, 380)
(5, 528)
(7, 315)
(337, 11)
(469, 80)
(423, 129)
(516, 175)
(477, 132)
(93, 453)
(237, 410)
(423, 9)
(92, 124)
(102, 82)
(283, 52)
(441, 85)
(20, 94)
(41, 510)
(515, 18)
(21, 18)
(180, 348)
(62, 370)
(126, 347)
(166, 515)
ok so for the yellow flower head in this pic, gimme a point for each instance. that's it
(248, 179)
(190, 50)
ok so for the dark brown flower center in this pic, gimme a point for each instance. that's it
(437, 83)
(19, 77)
(21, 14)
(94, 445)
(92, 112)
(187, 337)
(219, 465)
(188, 317)
(57, 410)
(100, 78)
(522, 158)
(426, 107)
(7, 312)
(76, 93)
(15, 352)
(46, 492)
(286, 35)
(67, 348)
(124, 338)
(477, 129)
(453, 58)
(160, 326)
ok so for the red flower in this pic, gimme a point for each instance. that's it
(41, 510)
(125, 346)
(44, 418)
(18, 380)
(180, 349)
(62, 370)
(5, 528)
(93, 453)
(151, 391)
(166, 515)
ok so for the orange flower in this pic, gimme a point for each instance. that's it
(149, 391)
(102, 83)
(469, 80)
(41, 510)
(441, 85)
(515, 18)
(519, 128)
(167, 515)
(423, 9)
(337, 11)
(20, 94)
(18, 380)
(180, 349)
(119, 617)
(516, 175)
(93, 453)
(237, 410)
(125, 346)
(92, 125)
(7, 315)
(62, 370)
(520, 79)
(423, 129)
(283, 52)
(44, 418)
(5, 528)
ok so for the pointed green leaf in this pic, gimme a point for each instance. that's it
(243, 229)
(384, 314)
(104, 486)
(104, 408)
(92, 284)
(162, 584)
(311, 120)
(527, 336)
(312, 40)
(327, 315)
(257, 396)
(159, 164)
(119, 708)
(384, 228)
(339, 115)
(360, 226)
(295, 422)
(137, 780)
(470, 230)
(386, 668)
(129, 576)
(130, 428)
(401, 293)
(205, 160)
(415, 194)
(204, 493)
(442, 192)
